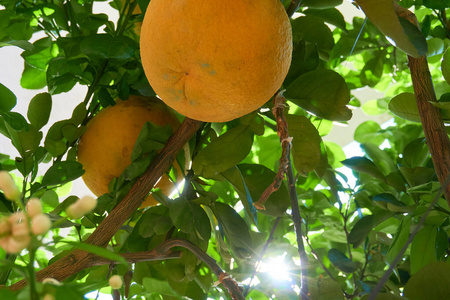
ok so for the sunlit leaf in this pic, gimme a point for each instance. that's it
(423, 248)
(39, 110)
(7, 98)
(446, 65)
(404, 105)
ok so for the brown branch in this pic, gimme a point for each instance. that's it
(79, 260)
(431, 117)
(293, 6)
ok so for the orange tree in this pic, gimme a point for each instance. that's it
(263, 186)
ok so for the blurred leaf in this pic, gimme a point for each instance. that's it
(380, 158)
(404, 105)
(361, 230)
(324, 289)
(7, 99)
(372, 72)
(61, 172)
(305, 143)
(400, 238)
(382, 14)
(418, 175)
(445, 65)
(341, 261)
(423, 248)
(430, 282)
(235, 230)
(369, 131)
(436, 46)
(39, 110)
(102, 252)
(437, 4)
(323, 93)
(335, 154)
(162, 287)
(364, 165)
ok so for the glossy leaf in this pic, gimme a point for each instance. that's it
(7, 99)
(62, 172)
(323, 93)
(224, 152)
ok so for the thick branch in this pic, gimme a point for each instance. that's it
(431, 117)
(79, 260)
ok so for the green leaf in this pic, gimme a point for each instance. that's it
(324, 289)
(445, 65)
(102, 46)
(224, 152)
(404, 105)
(431, 282)
(235, 230)
(154, 285)
(7, 99)
(361, 230)
(25, 140)
(380, 158)
(15, 120)
(33, 78)
(312, 29)
(415, 36)
(234, 176)
(68, 293)
(305, 143)
(257, 179)
(39, 110)
(437, 4)
(335, 154)
(383, 16)
(369, 131)
(423, 248)
(341, 261)
(416, 153)
(331, 16)
(322, 4)
(323, 93)
(364, 165)
(305, 58)
(400, 239)
(62, 172)
(99, 251)
(436, 46)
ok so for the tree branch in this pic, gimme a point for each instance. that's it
(79, 260)
(295, 4)
(433, 125)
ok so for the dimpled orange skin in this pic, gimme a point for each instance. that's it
(215, 61)
(106, 146)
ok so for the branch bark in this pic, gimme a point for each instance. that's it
(433, 125)
(79, 260)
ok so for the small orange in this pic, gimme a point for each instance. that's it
(105, 148)
(215, 61)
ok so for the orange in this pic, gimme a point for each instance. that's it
(215, 61)
(105, 148)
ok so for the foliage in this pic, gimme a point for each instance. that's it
(353, 230)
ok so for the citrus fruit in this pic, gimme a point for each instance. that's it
(215, 61)
(106, 146)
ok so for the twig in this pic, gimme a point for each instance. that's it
(78, 260)
(266, 245)
(283, 133)
(430, 116)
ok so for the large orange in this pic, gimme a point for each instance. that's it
(215, 61)
(105, 148)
